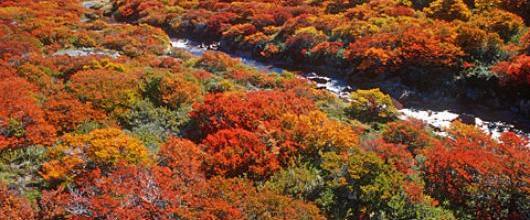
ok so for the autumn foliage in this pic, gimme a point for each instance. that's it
(462, 168)
(514, 72)
(14, 206)
(99, 148)
(22, 120)
(246, 111)
(102, 118)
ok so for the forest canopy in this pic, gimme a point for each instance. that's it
(102, 118)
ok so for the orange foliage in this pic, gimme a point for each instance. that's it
(246, 110)
(395, 154)
(66, 113)
(176, 91)
(100, 148)
(151, 193)
(470, 164)
(235, 152)
(389, 52)
(315, 132)
(515, 72)
(184, 158)
(410, 133)
(22, 121)
(106, 89)
(13, 206)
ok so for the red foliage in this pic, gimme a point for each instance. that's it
(66, 113)
(395, 154)
(14, 43)
(106, 89)
(263, 20)
(6, 70)
(13, 206)
(413, 46)
(470, 167)
(235, 152)
(220, 22)
(125, 193)
(516, 157)
(184, 158)
(515, 72)
(133, 8)
(152, 193)
(246, 110)
(410, 133)
(22, 121)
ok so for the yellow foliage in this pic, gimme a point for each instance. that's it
(449, 10)
(105, 64)
(101, 147)
(316, 132)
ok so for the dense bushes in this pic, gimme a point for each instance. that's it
(142, 132)
(429, 45)
(372, 105)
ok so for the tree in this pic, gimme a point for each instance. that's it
(215, 62)
(519, 7)
(525, 40)
(371, 106)
(478, 176)
(505, 24)
(478, 43)
(303, 40)
(411, 133)
(131, 192)
(515, 72)
(177, 91)
(184, 158)
(263, 204)
(246, 110)
(238, 32)
(409, 49)
(13, 206)
(107, 90)
(449, 10)
(360, 185)
(22, 121)
(101, 148)
(394, 154)
(66, 113)
(316, 133)
(234, 152)
(127, 192)
(298, 181)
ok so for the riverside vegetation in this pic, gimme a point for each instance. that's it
(100, 118)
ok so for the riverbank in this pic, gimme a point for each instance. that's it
(437, 106)
(438, 112)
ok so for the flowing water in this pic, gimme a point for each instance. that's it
(438, 119)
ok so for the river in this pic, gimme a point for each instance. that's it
(438, 113)
(438, 119)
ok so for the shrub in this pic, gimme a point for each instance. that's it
(371, 106)
(100, 148)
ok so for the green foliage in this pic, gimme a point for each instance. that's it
(174, 90)
(362, 185)
(19, 169)
(267, 145)
(301, 182)
(371, 106)
(449, 10)
(153, 125)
